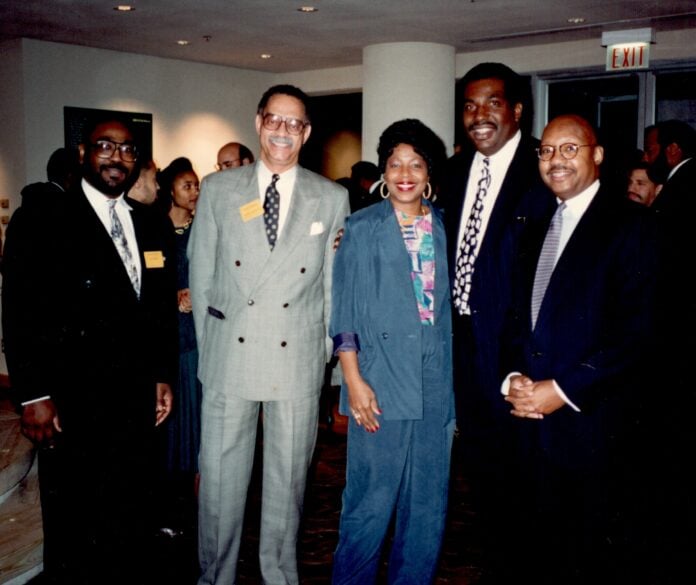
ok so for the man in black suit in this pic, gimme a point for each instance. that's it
(577, 345)
(673, 436)
(89, 318)
(496, 116)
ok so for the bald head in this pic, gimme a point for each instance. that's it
(233, 154)
(569, 156)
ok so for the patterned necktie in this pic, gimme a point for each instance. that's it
(547, 261)
(468, 248)
(119, 238)
(271, 207)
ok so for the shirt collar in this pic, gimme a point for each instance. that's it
(265, 175)
(577, 205)
(97, 198)
(505, 154)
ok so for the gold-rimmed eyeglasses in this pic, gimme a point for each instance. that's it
(568, 150)
(292, 125)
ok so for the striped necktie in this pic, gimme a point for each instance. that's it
(547, 261)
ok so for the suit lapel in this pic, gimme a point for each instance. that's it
(104, 252)
(582, 249)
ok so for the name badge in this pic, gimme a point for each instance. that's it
(251, 210)
(154, 259)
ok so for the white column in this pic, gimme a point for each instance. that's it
(407, 80)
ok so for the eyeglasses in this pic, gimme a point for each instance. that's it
(568, 150)
(106, 149)
(292, 125)
(228, 164)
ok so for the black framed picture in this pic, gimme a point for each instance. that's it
(75, 120)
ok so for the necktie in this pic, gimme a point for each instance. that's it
(271, 207)
(119, 238)
(547, 261)
(467, 250)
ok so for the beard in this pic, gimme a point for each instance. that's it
(110, 178)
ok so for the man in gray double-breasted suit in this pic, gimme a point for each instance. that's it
(261, 312)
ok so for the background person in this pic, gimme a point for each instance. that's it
(179, 188)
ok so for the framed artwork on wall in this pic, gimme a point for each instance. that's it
(76, 118)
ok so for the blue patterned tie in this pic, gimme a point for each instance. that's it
(121, 243)
(271, 207)
(547, 261)
(468, 248)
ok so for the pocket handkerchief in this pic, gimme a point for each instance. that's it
(316, 228)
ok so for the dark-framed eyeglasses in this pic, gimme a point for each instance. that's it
(229, 164)
(292, 125)
(568, 150)
(106, 149)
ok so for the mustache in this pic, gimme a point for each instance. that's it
(558, 168)
(284, 140)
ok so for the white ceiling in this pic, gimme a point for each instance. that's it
(235, 33)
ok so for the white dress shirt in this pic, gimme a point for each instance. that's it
(498, 165)
(572, 214)
(100, 204)
(285, 187)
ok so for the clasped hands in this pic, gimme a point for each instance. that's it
(530, 399)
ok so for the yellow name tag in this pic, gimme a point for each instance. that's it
(251, 210)
(154, 259)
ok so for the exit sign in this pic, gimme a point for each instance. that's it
(627, 56)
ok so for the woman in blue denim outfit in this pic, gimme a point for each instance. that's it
(391, 327)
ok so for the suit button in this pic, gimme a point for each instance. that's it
(283, 343)
(537, 354)
(385, 335)
(250, 302)
(237, 263)
(285, 305)
(303, 270)
(241, 340)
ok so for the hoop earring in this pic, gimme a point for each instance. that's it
(381, 191)
(428, 191)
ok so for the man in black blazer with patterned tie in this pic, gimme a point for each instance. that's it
(496, 114)
(91, 347)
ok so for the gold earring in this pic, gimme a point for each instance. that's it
(428, 191)
(381, 191)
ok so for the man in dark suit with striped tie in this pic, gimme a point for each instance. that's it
(577, 348)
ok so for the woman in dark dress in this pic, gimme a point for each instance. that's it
(179, 186)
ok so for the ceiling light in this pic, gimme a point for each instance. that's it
(576, 20)
(266, 55)
(124, 8)
(307, 9)
(183, 42)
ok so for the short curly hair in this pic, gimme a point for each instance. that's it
(416, 134)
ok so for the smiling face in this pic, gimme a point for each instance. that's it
(570, 177)
(489, 119)
(111, 176)
(406, 176)
(280, 150)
